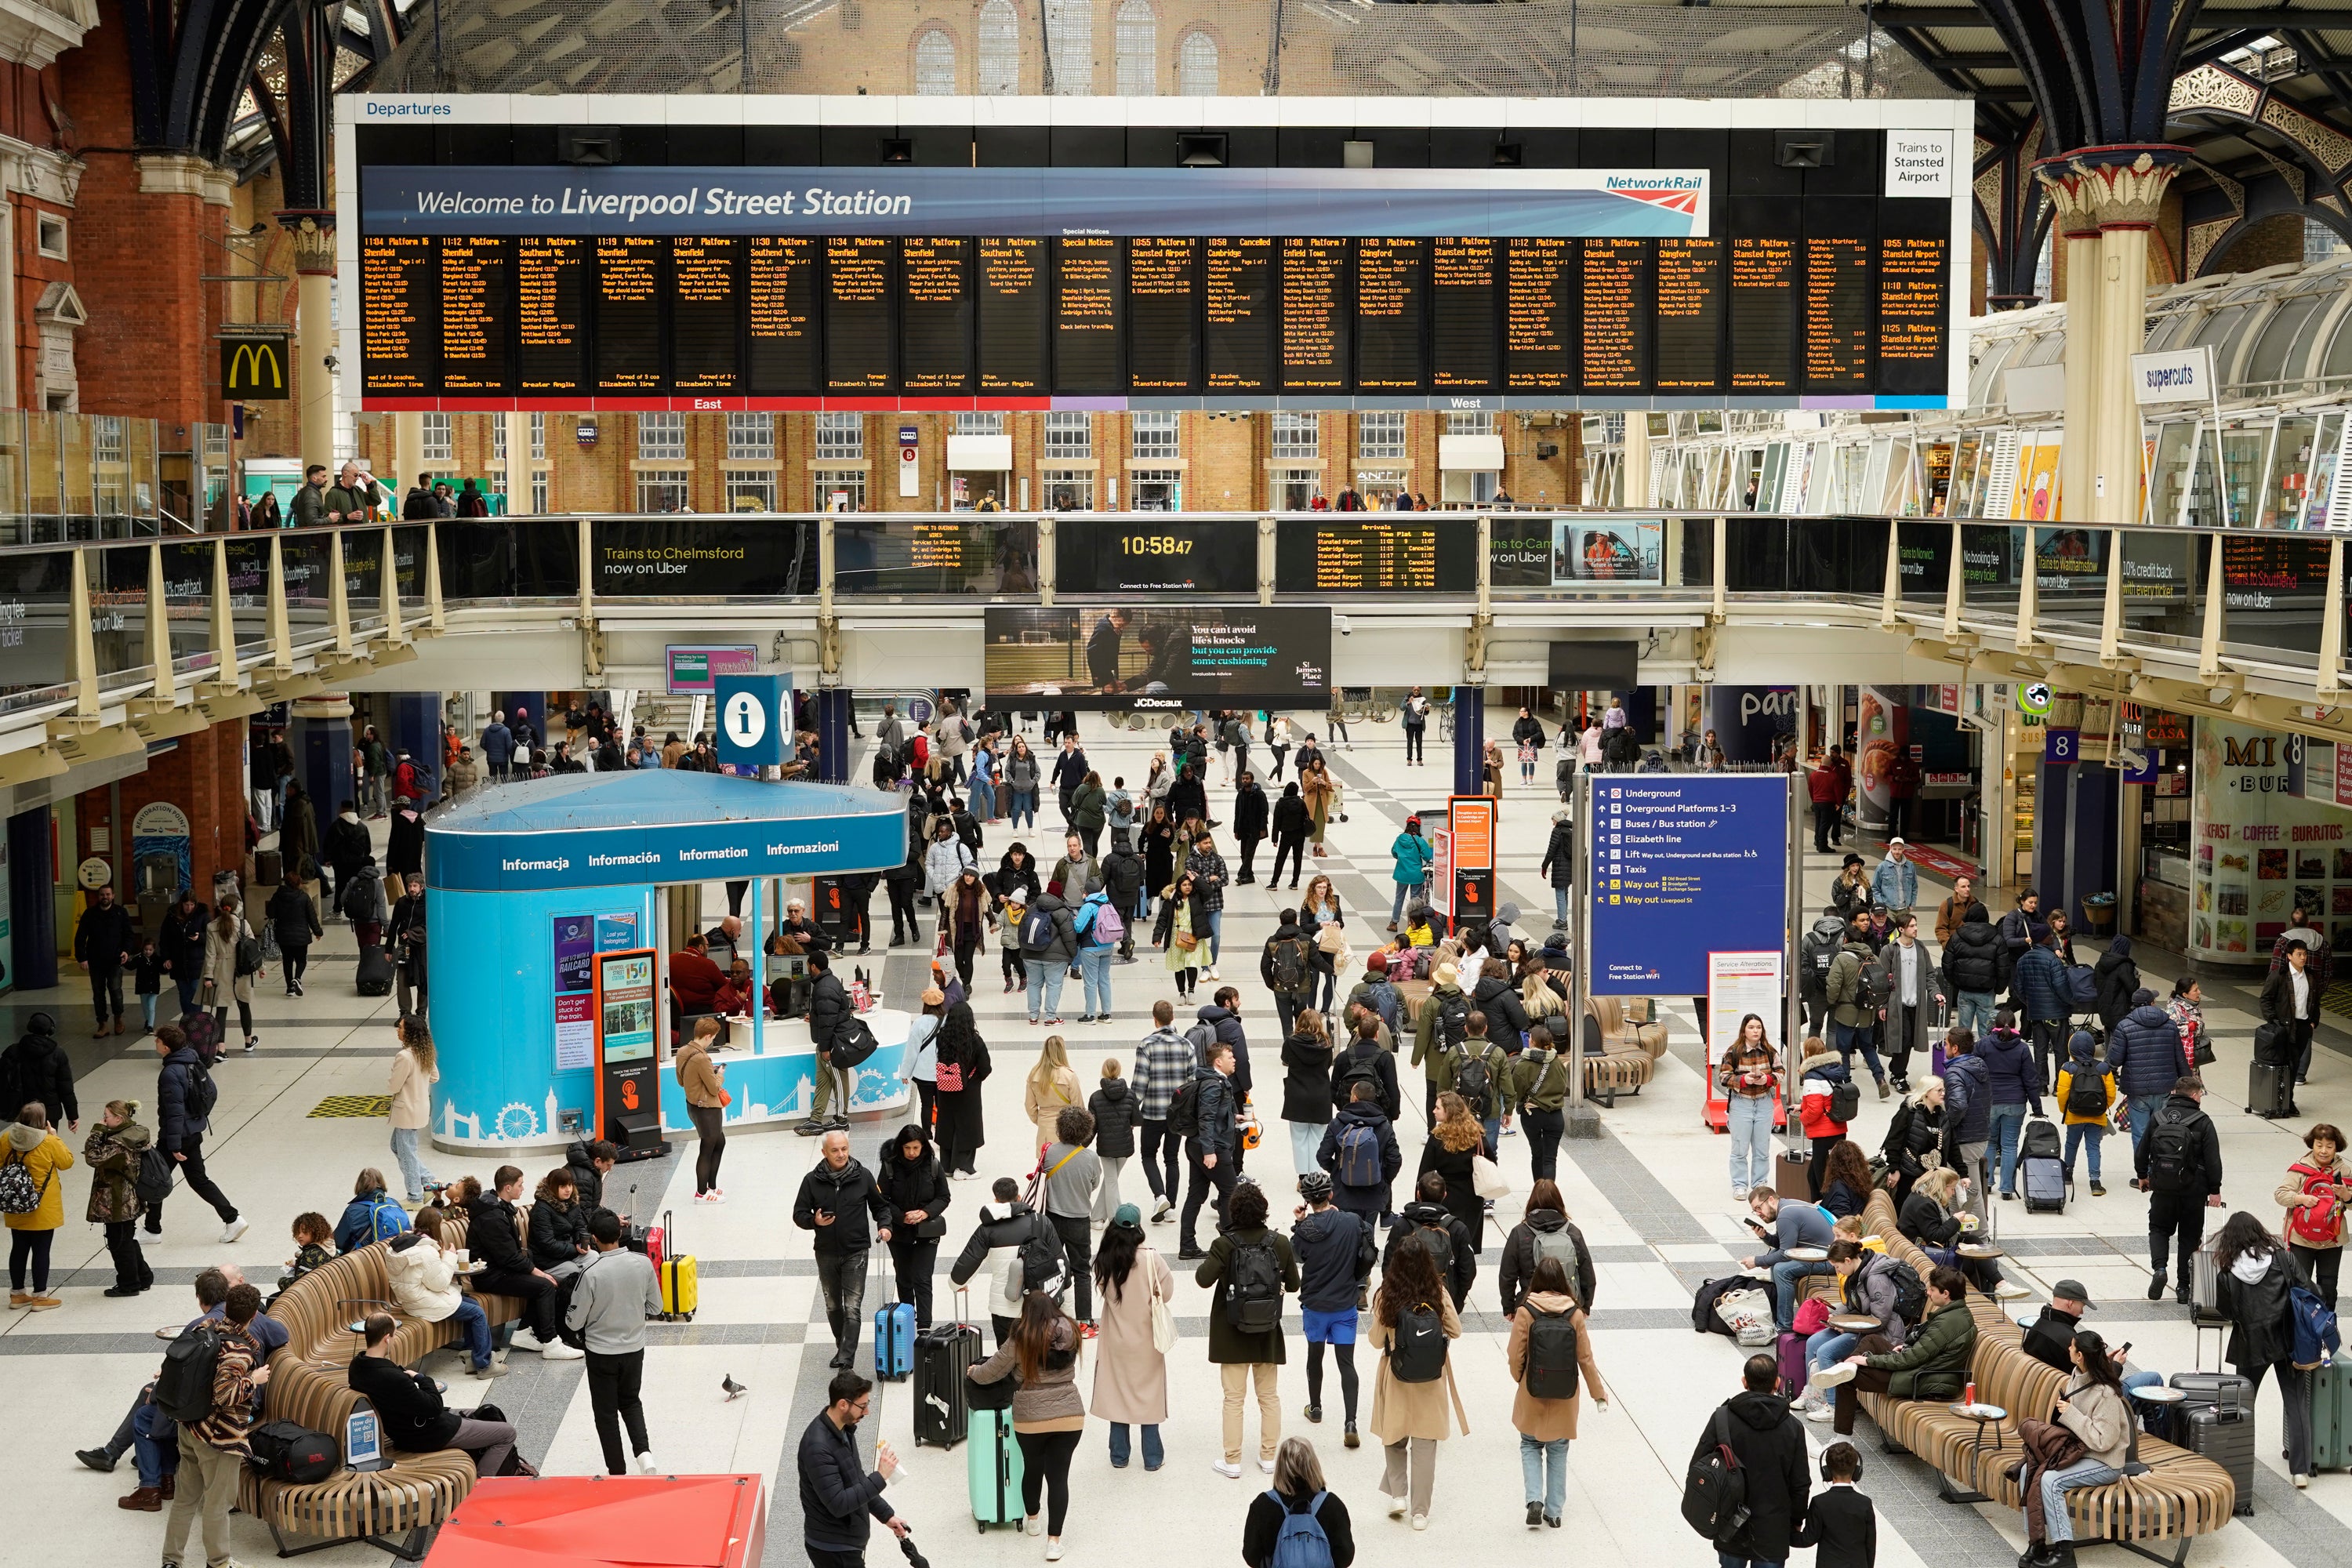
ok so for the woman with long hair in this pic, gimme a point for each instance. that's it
(1052, 1088)
(965, 907)
(1298, 1488)
(1845, 1186)
(1314, 787)
(415, 1070)
(2257, 1274)
(1318, 907)
(222, 981)
(1048, 1416)
(1748, 1076)
(1453, 1143)
(1021, 778)
(1158, 851)
(1307, 1088)
(964, 1067)
(1409, 1414)
(1545, 1416)
(1181, 929)
(2095, 1410)
(914, 1187)
(1546, 1232)
(1130, 1370)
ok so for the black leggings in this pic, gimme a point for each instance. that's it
(244, 1020)
(295, 960)
(1346, 1356)
(2322, 1265)
(913, 1263)
(710, 1123)
(35, 1245)
(1045, 1463)
(1817, 1172)
(1296, 848)
(130, 1270)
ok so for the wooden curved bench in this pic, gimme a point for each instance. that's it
(1620, 1054)
(396, 1508)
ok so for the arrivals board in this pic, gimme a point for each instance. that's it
(800, 284)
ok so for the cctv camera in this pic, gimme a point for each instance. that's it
(1343, 626)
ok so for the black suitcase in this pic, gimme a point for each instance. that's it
(2043, 1177)
(2214, 1391)
(943, 1353)
(2271, 1042)
(2270, 1089)
(2040, 1140)
(2226, 1437)
(374, 975)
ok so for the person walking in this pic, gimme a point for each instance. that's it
(103, 942)
(294, 919)
(2145, 1052)
(214, 1451)
(1769, 1446)
(1112, 1109)
(1137, 1290)
(1211, 1146)
(1455, 1142)
(1545, 1231)
(1049, 945)
(2095, 1411)
(1414, 1326)
(232, 962)
(2013, 1081)
(835, 1201)
(1307, 1088)
(1250, 1268)
(1749, 1078)
(1252, 814)
(615, 1294)
(964, 1064)
(1360, 1151)
(33, 1144)
(702, 1079)
(1068, 1173)
(1051, 1088)
(1163, 1061)
(1551, 1357)
(2313, 1195)
(182, 945)
(1975, 969)
(1895, 884)
(2086, 1093)
(1286, 966)
(415, 1070)
(2290, 1006)
(2255, 1274)
(2041, 983)
(1323, 1532)
(914, 1187)
(183, 1106)
(1292, 823)
(112, 1151)
(1914, 998)
(840, 1497)
(1049, 1416)
(1854, 1005)
(1336, 1252)
(2180, 1167)
(2118, 980)
(1539, 1086)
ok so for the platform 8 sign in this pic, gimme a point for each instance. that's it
(1683, 866)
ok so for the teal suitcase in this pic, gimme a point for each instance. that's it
(993, 1457)
(2331, 1416)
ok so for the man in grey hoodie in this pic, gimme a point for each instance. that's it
(1071, 1174)
(616, 1293)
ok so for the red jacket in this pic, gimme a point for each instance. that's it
(1815, 1110)
(1823, 783)
(695, 981)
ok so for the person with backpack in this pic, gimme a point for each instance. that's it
(1307, 1088)
(1456, 1143)
(1871, 1283)
(371, 1216)
(1204, 1114)
(409, 1405)
(2257, 1280)
(1286, 965)
(1856, 991)
(184, 1095)
(1439, 1035)
(2180, 1167)
(1828, 1101)
(1123, 878)
(2313, 1195)
(1429, 1224)
(1545, 1232)
(1414, 1323)
(2086, 1094)
(232, 963)
(1367, 1051)
(211, 1395)
(1021, 1249)
(1298, 1522)
(116, 1152)
(35, 1070)
(1360, 1150)
(1336, 1252)
(1766, 1451)
(1049, 945)
(1551, 1346)
(33, 1203)
(1538, 1084)
(1250, 1268)
(2013, 1084)
(1931, 1364)
(1100, 928)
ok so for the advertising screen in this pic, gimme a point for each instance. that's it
(1134, 657)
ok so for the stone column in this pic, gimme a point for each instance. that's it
(313, 233)
(518, 464)
(1634, 489)
(2081, 230)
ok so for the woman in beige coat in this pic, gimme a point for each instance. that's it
(705, 1105)
(414, 1074)
(1052, 1089)
(1048, 1416)
(220, 982)
(1131, 1371)
(1409, 1418)
(1547, 1426)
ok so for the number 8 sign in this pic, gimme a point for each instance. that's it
(2061, 747)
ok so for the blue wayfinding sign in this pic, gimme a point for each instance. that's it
(755, 719)
(1684, 865)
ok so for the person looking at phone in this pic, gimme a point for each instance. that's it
(835, 1201)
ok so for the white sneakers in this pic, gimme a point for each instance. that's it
(236, 1228)
(526, 1340)
(1831, 1376)
(1419, 1520)
(1231, 1473)
(645, 1465)
(1819, 1409)
(1267, 1465)
(1033, 1525)
(551, 1350)
(1396, 1507)
(713, 1196)
(1053, 1550)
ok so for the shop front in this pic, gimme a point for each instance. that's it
(2270, 819)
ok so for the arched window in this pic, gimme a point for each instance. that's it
(1070, 45)
(935, 65)
(1135, 43)
(999, 49)
(1196, 66)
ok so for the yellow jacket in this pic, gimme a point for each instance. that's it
(45, 1162)
(2075, 1118)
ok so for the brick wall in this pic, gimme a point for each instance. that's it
(204, 776)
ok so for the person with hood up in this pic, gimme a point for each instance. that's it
(35, 1070)
(1976, 969)
(1545, 1233)
(2146, 1054)
(422, 1270)
(1557, 866)
(1429, 1222)
(1361, 1153)
(915, 1192)
(33, 1144)
(2255, 1274)
(2086, 1093)
(1292, 823)
(1769, 1444)
(1819, 1073)
(1252, 815)
(404, 853)
(2119, 981)
(1005, 1222)
(835, 1201)
(1413, 857)
(1854, 1015)
(1049, 945)
(1336, 1252)
(112, 1151)
(2042, 987)
(1112, 1107)
(2013, 1083)
(1286, 965)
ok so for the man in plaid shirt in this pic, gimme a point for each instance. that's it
(1208, 869)
(213, 1450)
(1162, 1062)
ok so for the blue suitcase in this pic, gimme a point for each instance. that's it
(894, 1340)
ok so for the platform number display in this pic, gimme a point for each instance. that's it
(755, 719)
(2060, 748)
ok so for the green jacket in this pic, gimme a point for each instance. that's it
(1539, 1079)
(1845, 985)
(1087, 807)
(353, 501)
(1934, 1364)
(1440, 1063)
(310, 508)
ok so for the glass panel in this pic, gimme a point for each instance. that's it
(35, 598)
(1963, 499)
(2290, 471)
(2338, 365)
(41, 490)
(408, 568)
(118, 608)
(2204, 500)
(2280, 352)
(1990, 554)
(2176, 443)
(2215, 327)
(2168, 327)
(140, 472)
(1756, 557)
(308, 567)
(1698, 548)
(2243, 447)
(14, 527)
(1927, 561)
(2322, 469)
(2273, 593)
(187, 595)
(2043, 348)
(883, 556)
(249, 592)
(2163, 582)
(364, 578)
(77, 494)
(510, 559)
(2070, 575)
(1985, 376)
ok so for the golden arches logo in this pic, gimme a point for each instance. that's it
(253, 368)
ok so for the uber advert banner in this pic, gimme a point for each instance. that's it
(1127, 657)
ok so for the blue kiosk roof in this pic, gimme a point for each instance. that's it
(601, 830)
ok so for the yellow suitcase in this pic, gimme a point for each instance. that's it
(681, 1287)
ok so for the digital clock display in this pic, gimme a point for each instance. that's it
(1208, 555)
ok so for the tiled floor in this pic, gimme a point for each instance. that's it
(1649, 1195)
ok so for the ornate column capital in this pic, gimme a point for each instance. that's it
(2111, 187)
(313, 232)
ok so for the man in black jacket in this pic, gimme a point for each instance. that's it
(183, 1104)
(591, 1160)
(491, 1237)
(35, 1070)
(1286, 965)
(181, 946)
(103, 940)
(1559, 865)
(833, 1203)
(1251, 815)
(1213, 1146)
(1292, 821)
(829, 1010)
(2180, 1167)
(1770, 1443)
(838, 1494)
(409, 1405)
(1122, 878)
(346, 849)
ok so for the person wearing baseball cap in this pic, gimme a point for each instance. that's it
(2050, 1336)
(1335, 1252)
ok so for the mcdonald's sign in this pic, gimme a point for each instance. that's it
(253, 369)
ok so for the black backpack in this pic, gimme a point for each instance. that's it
(152, 1184)
(1910, 1290)
(1440, 1244)
(1820, 952)
(2175, 1152)
(1185, 1111)
(1474, 1084)
(1418, 1354)
(1846, 1101)
(290, 1451)
(249, 955)
(1253, 1287)
(1291, 965)
(1552, 1355)
(184, 1389)
(1043, 1265)
(203, 1092)
(1715, 1492)
(1452, 1025)
(2086, 1093)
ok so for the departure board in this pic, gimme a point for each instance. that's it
(1238, 314)
(400, 314)
(1423, 556)
(935, 335)
(1388, 313)
(781, 294)
(706, 291)
(1618, 280)
(1539, 314)
(1315, 299)
(552, 315)
(1163, 285)
(860, 328)
(1690, 315)
(1012, 315)
(629, 313)
(1463, 354)
(1763, 315)
(1086, 313)
(1837, 314)
(478, 308)
(1913, 339)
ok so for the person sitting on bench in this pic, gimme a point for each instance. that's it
(1933, 1364)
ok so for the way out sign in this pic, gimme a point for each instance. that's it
(755, 719)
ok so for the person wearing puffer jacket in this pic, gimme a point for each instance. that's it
(1976, 968)
(2046, 997)
(2118, 978)
(422, 1273)
(2013, 1080)
(1968, 1109)
(2255, 1274)
(2145, 1050)
(1819, 1074)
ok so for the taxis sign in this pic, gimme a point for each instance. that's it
(254, 370)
